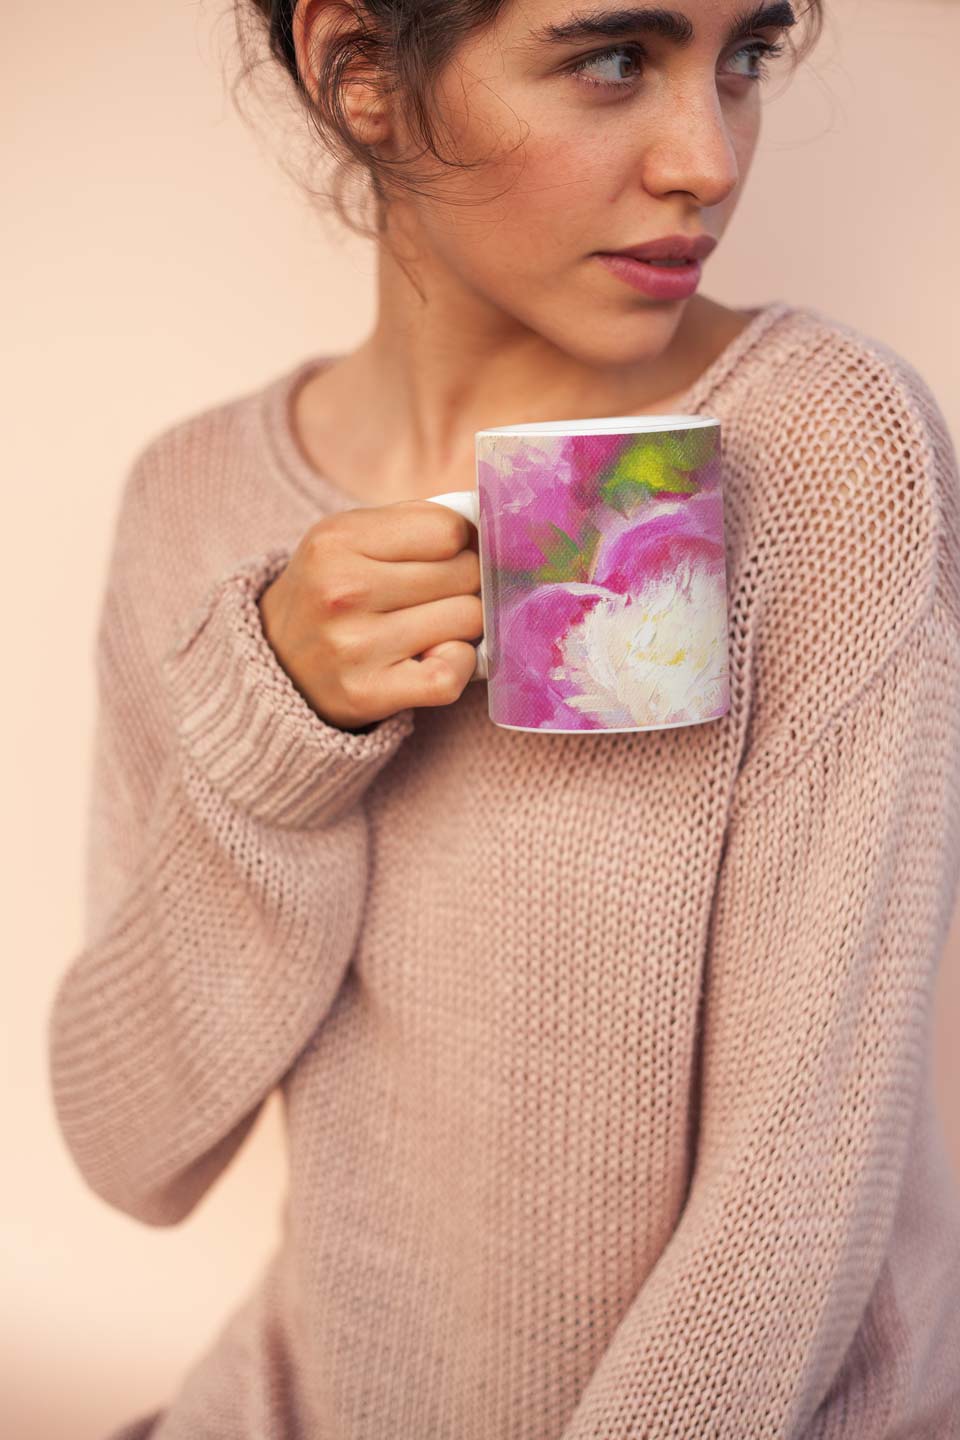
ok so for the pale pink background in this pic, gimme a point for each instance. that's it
(155, 263)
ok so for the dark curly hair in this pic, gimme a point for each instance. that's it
(406, 44)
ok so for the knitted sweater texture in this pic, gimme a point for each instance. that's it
(605, 1059)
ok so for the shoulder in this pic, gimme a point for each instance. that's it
(843, 536)
(842, 456)
(181, 462)
(901, 459)
(825, 389)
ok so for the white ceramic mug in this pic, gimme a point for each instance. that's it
(603, 573)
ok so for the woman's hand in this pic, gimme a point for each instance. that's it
(365, 593)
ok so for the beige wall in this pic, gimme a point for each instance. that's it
(155, 264)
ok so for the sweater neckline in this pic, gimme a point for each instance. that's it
(291, 465)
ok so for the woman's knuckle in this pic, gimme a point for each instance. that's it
(443, 683)
(353, 692)
(349, 644)
(343, 592)
(449, 526)
(333, 590)
(319, 540)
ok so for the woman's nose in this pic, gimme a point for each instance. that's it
(693, 149)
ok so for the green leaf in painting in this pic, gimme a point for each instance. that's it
(561, 553)
(622, 495)
(648, 466)
(566, 560)
(689, 449)
(590, 537)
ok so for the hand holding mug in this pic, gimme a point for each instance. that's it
(365, 592)
(602, 605)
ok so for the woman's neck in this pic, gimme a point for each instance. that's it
(358, 431)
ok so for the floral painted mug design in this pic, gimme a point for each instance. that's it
(603, 573)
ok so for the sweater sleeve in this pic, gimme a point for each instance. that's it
(833, 903)
(226, 872)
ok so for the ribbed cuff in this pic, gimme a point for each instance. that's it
(245, 724)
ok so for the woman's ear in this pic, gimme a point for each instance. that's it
(315, 24)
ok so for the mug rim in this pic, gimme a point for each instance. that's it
(605, 424)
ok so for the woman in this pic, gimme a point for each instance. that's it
(606, 1060)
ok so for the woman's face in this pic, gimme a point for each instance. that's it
(589, 142)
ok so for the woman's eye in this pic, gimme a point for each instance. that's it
(584, 68)
(589, 69)
(760, 51)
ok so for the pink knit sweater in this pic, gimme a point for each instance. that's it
(606, 1059)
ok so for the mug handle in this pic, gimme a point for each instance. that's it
(467, 504)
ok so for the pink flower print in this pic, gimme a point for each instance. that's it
(590, 456)
(605, 580)
(529, 504)
(656, 657)
(657, 537)
(526, 655)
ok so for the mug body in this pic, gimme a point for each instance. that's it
(603, 573)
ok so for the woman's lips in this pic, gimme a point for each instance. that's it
(674, 282)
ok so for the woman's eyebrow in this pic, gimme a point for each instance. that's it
(670, 25)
